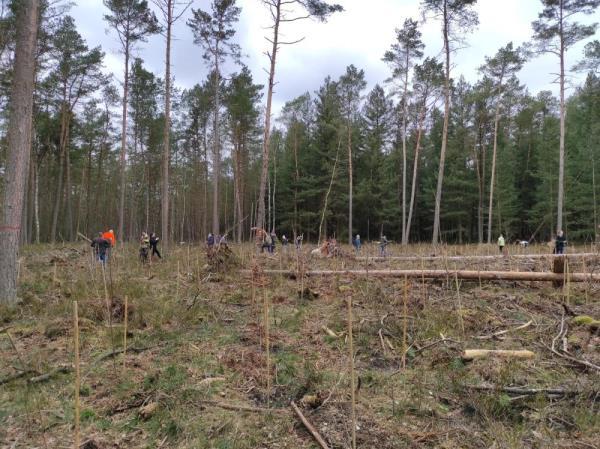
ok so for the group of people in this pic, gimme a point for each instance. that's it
(103, 244)
(149, 243)
(560, 242)
(105, 241)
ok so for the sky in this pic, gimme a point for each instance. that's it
(359, 35)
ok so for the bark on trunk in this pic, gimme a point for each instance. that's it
(493, 175)
(166, 144)
(19, 146)
(216, 150)
(123, 153)
(260, 219)
(561, 154)
(438, 193)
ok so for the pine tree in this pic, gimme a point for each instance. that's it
(214, 32)
(554, 33)
(133, 22)
(456, 18)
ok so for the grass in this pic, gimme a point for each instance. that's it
(194, 328)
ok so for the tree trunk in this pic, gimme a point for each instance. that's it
(260, 219)
(19, 146)
(216, 150)
(414, 176)
(350, 184)
(404, 117)
(36, 203)
(68, 187)
(493, 175)
(561, 154)
(166, 144)
(123, 153)
(438, 193)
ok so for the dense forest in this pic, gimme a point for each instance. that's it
(341, 157)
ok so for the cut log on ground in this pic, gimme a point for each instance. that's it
(482, 257)
(529, 391)
(443, 274)
(472, 354)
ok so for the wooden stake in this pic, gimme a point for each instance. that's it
(108, 309)
(459, 304)
(267, 342)
(351, 368)
(77, 439)
(404, 322)
(125, 321)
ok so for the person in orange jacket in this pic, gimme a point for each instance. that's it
(110, 237)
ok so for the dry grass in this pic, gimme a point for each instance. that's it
(196, 337)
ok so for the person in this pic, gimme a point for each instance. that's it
(110, 236)
(284, 243)
(153, 244)
(501, 243)
(299, 239)
(223, 241)
(273, 241)
(100, 245)
(383, 243)
(560, 242)
(210, 240)
(267, 242)
(356, 243)
(144, 247)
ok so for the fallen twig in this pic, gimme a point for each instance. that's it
(506, 331)
(44, 377)
(560, 337)
(309, 427)
(16, 376)
(240, 408)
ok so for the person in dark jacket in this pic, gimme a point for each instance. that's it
(560, 243)
(100, 245)
(153, 244)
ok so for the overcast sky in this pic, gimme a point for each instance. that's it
(359, 35)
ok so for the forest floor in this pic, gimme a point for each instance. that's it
(197, 373)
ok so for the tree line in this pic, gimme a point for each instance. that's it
(423, 156)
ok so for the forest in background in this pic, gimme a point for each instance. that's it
(318, 143)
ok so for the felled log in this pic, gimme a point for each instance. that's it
(472, 354)
(443, 274)
(481, 257)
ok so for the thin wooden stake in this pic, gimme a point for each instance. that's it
(351, 368)
(125, 321)
(267, 342)
(77, 439)
(404, 322)
(108, 310)
(459, 303)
